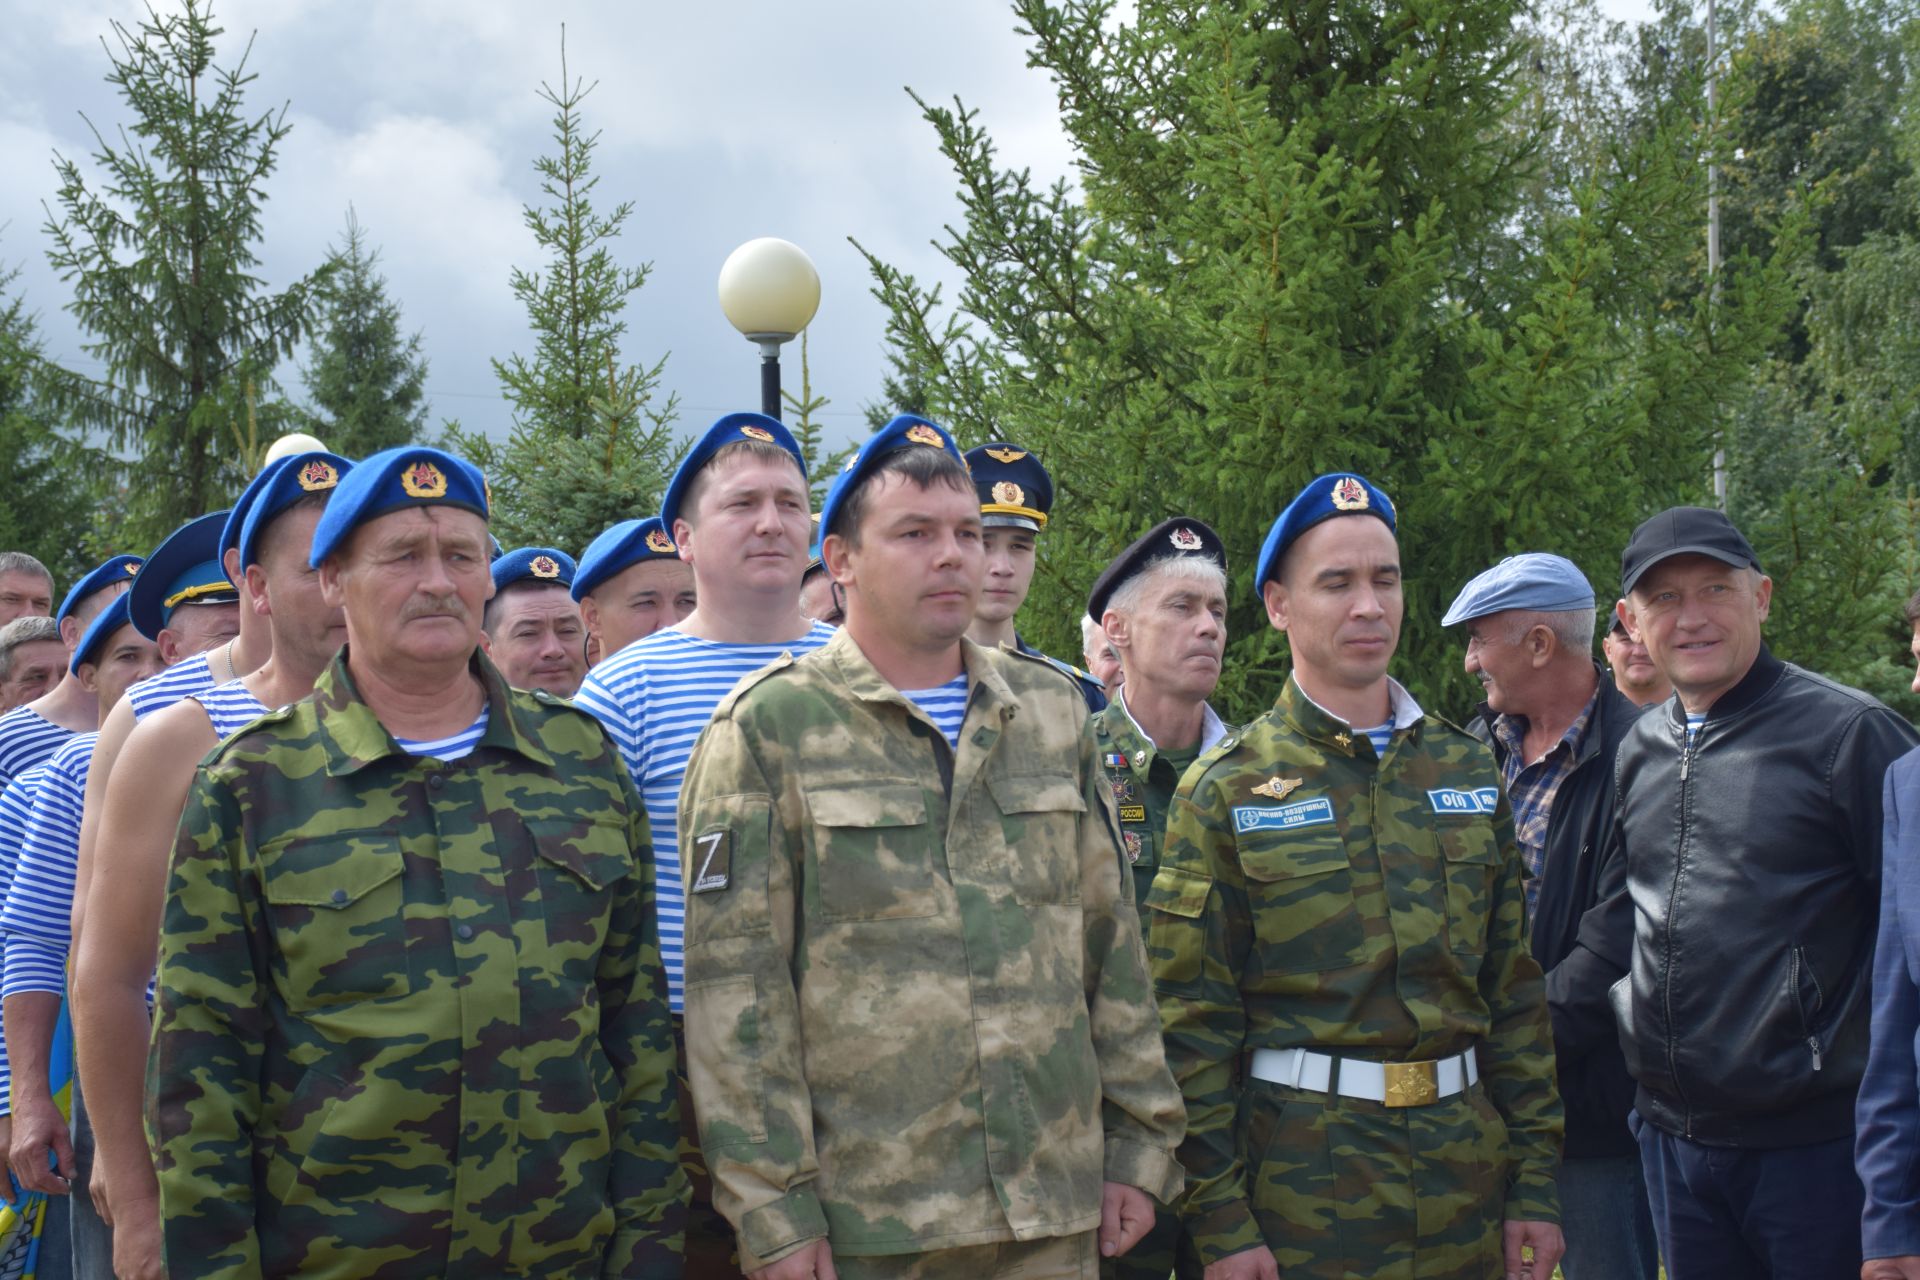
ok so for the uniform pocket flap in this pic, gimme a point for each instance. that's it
(597, 852)
(1053, 793)
(885, 805)
(1469, 841)
(1179, 892)
(1288, 859)
(330, 871)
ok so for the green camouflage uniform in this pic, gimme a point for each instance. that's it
(918, 1013)
(1374, 910)
(411, 1018)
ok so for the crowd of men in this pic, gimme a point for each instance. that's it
(747, 896)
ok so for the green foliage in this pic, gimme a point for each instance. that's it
(366, 381)
(1311, 237)
(590, 445)
(160, 250)
(822, 465)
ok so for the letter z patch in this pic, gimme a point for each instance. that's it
(1283, 817)
(713, 854)
(1455, 800)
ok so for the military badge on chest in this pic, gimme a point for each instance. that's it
(1132, 842)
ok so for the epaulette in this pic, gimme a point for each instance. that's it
(779, 664)
(1052, 664)
(279, 715)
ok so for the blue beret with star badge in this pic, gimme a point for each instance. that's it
(1340, 493)
(905, 432)
(104, 624)
(281, 485)
(410, 476)
(621, 546)
(734, 428)
(533, 564)
(183, 570)
(1015, 490)
(107, 573)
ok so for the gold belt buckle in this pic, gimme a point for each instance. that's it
(1412, 1084)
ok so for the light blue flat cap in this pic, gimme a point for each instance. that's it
(1534, 580)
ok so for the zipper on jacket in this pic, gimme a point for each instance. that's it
(1689, 743)
(1794, 965)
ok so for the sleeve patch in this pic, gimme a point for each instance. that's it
(713, 854)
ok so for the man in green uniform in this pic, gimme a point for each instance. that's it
(920, 1028)
(411, 1017)
(1163, 606)
(1338, 938)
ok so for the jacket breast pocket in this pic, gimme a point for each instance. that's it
(1300, 890)
(337, 906)
(1471, 857)
(874, 852)
(1040, 820)
(577, 864)
(1176, 925)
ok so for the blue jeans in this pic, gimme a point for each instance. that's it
(1725, 1213)
(92, 1238)
(1606, 1221)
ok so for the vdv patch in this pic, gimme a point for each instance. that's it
(1455, 800)
(714, 849)
(1283, 817)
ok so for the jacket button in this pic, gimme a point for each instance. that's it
(339, 896)
(435, 781)
(465, 932)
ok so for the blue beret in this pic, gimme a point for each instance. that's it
(118, 569)
(185, 569)
(1340, 493)
(904, 432)
(622, 545)
(284, 482)
(410, 476)
(533, 564)
(104, 624)
(732, 429)
(1015, 490)
(1535, 580)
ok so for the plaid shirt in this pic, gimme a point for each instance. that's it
(1532, 787)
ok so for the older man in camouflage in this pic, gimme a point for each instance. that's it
(411, 1017)
(919, 1025)
(1338, 938)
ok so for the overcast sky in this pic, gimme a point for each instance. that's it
(721, 122)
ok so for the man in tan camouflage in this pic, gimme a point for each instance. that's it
(919, 1026)
(1338, 939)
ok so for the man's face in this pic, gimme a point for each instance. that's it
(1700, 620)
(1632, 667)
(1103, 663)
(196, 628)
(24, 595)
(1008, 573)
(37, 667)
(637, 601)
(818, 600)
(413, 583)
(124, 659)
(752, 522)
(914, 580)
(1174, 638)
(538, 640)
(1338, 599)
(1497, 656)
(305, 627)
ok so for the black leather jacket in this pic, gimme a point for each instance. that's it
(1753, 863)
(1583, 930)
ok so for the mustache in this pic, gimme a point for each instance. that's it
(419, 606)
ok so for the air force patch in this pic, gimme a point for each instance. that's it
(1284, 817)
(1455, 800)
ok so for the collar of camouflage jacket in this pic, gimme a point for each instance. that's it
(355, 738)
(985, 684)
(1314, 720)
(1129, 738)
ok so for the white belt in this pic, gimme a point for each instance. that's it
(1397, 1084)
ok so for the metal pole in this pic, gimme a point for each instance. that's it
(770, 379)
(1713, 241)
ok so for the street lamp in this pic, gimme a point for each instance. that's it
(769, 290)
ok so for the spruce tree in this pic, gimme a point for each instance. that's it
(51, 479)
(366, 380)
(161, 251)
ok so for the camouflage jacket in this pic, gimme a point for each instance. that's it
(411, 1016)
(1372, 909)
(1143, 782)
(918, 1011)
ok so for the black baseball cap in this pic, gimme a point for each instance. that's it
(1681, 531)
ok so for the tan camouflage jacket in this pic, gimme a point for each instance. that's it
(411, 1017)
(918, 1014)
(1367, 908)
